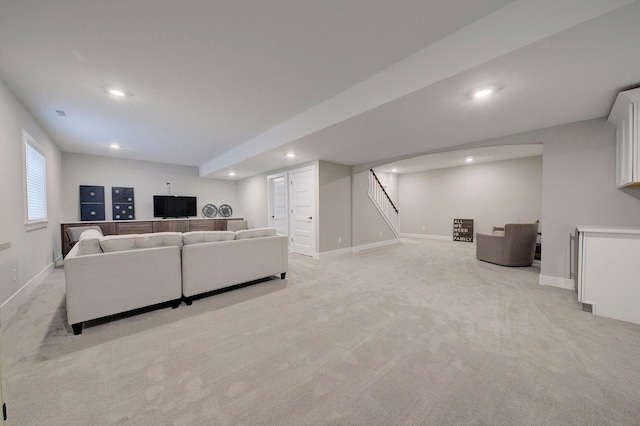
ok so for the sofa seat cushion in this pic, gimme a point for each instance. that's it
(255, 233)
(113, 243)
(89, 242)
(197, 237)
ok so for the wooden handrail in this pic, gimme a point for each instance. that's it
(383, 190)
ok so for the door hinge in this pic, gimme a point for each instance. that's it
(4, 411)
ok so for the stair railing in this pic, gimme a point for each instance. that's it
(383, 202)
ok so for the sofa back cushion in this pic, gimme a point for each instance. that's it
(197, 237)
(159, 239)
(89, 242)
(74, 232)
(113, 243)
(255, 233)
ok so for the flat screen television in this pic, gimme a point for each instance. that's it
(174, 206)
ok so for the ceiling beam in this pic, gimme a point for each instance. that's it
(506, 30)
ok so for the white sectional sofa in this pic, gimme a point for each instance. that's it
(251, 255)
(106, 275)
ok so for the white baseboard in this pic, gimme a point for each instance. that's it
(8, 308)
(427, 236)
(558, 282)
(333, 253)
(375, 245)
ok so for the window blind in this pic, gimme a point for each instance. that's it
(36, 179)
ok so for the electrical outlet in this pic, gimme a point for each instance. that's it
(424, 228)
(339, 239)
(381, 233)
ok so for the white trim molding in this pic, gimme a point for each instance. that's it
(9, 306)
(564, 283)
(427, 236)
(333, 253)
(375, 245)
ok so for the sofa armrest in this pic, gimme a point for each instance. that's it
(490, 248)
(99, 285)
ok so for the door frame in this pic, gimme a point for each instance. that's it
(314, 228)
(288, 217)
(270, 212)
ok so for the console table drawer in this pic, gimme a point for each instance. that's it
(134, 227)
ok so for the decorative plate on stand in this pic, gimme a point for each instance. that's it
(209, 210)
(225, 210)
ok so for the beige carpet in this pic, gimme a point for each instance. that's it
(416, 333)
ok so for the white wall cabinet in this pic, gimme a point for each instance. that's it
(624, 115)
(608, 267)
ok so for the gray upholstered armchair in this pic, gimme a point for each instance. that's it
(516, 247)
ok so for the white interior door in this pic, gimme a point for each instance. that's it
(292, 208)
(278, 203)
(302, 211)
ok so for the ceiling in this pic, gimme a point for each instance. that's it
(461, 157)
(234, 86)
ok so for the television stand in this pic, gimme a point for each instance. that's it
(121, 227)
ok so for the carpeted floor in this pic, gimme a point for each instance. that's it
(416, 333)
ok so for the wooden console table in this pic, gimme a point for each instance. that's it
(146, 226)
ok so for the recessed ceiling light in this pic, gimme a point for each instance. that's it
(117, 92)
(232, 173)
(114, 146)
(291, 155)
(394, 170)
(469, 160)
(482, 93)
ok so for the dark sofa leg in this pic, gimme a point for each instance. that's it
(282, 275)
(176, 303)
(187, 300)
(77, 328)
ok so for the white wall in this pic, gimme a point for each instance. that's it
(32, 253)
(333, 195)
(146, 178)
(334, 206)
(491, 194)
(579, 188)
(253, 200)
